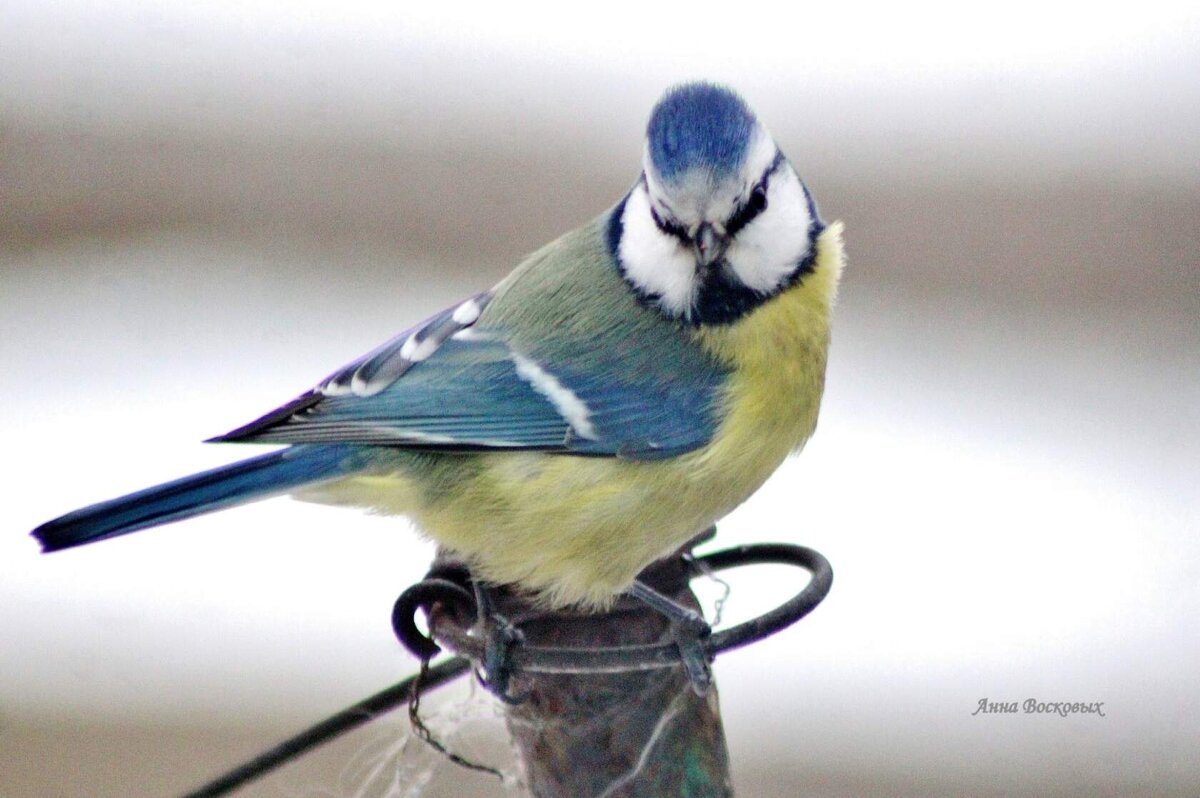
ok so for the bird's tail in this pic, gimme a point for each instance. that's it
(256, 478)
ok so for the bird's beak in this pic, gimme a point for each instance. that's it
(709, 245)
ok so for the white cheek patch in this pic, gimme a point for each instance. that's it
(654, 261)
(765, 252)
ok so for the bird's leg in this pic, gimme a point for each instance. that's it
(689, 629)
(500, 637)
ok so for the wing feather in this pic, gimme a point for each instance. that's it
(452, 384)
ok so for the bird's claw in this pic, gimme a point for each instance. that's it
(497, 667)
(688, 628)
(690, 634)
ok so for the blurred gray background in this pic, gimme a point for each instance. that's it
(205, 209)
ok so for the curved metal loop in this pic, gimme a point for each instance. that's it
(422, 596)
(547, 659)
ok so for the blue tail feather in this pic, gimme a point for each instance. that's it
(240, 482)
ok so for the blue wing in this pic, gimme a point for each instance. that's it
(452, 384)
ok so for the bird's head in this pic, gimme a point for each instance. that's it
(719, 222)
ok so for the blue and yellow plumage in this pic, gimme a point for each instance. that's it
(620, 391)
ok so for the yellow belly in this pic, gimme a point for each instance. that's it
(577, 530)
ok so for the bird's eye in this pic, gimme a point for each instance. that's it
(758, 199)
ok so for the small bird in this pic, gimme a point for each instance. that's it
(626, 386)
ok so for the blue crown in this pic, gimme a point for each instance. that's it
(699, 125)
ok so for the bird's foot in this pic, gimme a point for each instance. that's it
(500, 637)
(690, 631)
(497, 667)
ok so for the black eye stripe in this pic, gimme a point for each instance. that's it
(756, 203)
(752, 207)
(669, 226)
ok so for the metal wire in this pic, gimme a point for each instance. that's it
(348, 719)
(445, 587)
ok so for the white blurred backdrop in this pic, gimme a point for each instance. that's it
(206, 207)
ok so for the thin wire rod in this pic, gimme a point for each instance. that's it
(333, 726)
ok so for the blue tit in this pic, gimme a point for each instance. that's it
(626, 386)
